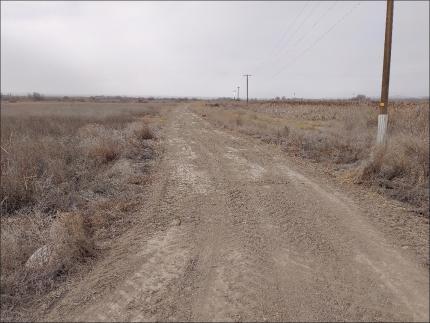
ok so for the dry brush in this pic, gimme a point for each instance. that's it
(341, 135)
(68, 174)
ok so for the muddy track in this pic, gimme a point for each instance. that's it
(231, 231)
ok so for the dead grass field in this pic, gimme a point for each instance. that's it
(341, 135)
(73, 173)
(69, 171)
(86, 219)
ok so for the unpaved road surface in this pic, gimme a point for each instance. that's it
(231, 231)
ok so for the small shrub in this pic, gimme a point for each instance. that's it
(144, 133)
(69, 240)
(37, 96)
(104, 151)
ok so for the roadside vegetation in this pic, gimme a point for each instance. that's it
(71, 173)
(341, 135)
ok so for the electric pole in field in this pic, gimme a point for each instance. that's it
(247, 76)
(383, 112)
(238, 98)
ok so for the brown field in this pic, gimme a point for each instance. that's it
(341, 135)
(69, 170)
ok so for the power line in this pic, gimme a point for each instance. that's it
(299, 40)
(317, 40)
(315, 24)
(279, 43)
(301, 24)
(291, 25)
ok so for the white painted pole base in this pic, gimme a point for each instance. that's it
(382, 129)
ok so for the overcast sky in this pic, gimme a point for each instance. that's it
(313, 49)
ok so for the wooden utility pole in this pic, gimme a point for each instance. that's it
(383, 112)
(238, 98)
(247, 76)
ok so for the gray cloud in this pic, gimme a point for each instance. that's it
(203, 48)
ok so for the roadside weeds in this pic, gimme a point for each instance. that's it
(68, 185)
(340, 135)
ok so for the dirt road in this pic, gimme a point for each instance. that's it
(231, 231)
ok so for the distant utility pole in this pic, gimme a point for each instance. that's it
(383, 113)
(234, 94)
(238, 98)
(247, 76)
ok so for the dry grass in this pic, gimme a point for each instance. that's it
(61, 162)
(69, 241)
(143, 132)
(341, 135)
